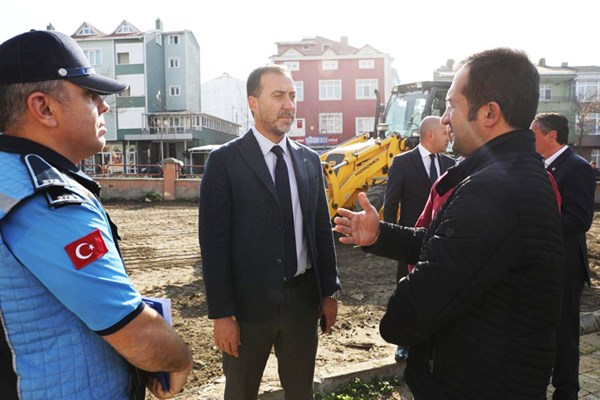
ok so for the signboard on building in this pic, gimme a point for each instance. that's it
(316, 140)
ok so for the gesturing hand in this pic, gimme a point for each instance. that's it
(359, 228)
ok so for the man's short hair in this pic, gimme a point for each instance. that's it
(253, 87)
(13, 100)
(507, 77)
(554, 122)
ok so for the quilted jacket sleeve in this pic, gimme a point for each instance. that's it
(470, 246)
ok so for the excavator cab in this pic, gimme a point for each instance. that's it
(410, 103)
(361, 164)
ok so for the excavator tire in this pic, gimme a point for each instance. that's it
(375, 194)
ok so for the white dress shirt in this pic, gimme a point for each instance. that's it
(271, 159)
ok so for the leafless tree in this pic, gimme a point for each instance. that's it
(585, 105)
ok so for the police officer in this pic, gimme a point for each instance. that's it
(73, 326)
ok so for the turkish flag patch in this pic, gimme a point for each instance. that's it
(86, 250)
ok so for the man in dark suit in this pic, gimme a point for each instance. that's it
(411, 176)
(409, 183)
(267, 247)
(576, 184)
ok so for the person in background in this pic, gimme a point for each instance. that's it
(73, 325)
(268, 254)
(596, 170)
(577, 185)
(480, 309)
(409, 181)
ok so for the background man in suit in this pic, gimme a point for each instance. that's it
(250, 240)
(409, 182)
(411, 176)
(576, 184)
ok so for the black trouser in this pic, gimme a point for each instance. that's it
(565, 377)
(294, 337)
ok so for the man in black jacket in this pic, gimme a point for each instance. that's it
(480, 309)
(577, 185)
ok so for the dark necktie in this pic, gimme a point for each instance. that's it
(282, 184)
(433, 175)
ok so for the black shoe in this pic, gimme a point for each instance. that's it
(401, 354)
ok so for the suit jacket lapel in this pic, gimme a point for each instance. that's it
(418, 164)
(555, 166)
(250, 151)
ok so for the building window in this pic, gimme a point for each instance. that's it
(330, 65)
(330, 123)
(173, 39)
(591, 125)
(366, 64)
(93, 56)
(159, 38)
(595, 156)
(174, 62)
(174, 90)
(587, 90)
(364, 124)
(326, 47)
(85, 31)
(330, 90)
(292, 65)
(122, 58)
(125, 29)
(365, 88)
(545, 92)
(299, 90)
(305, 47)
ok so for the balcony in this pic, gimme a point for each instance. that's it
(164, 133)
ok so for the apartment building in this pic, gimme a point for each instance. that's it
(159, 116)
(335, 84)
(225, 97)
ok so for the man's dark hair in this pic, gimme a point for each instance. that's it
(554, 122)
(13, 100)
(253, 86)
(507, 77)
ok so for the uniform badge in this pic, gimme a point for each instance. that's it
(86, 250)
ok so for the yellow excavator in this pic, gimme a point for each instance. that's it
(361, 164)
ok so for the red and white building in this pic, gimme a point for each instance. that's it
(335, 85)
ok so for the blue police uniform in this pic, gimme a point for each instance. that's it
(59, 292)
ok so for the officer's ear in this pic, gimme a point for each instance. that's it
(41, 108)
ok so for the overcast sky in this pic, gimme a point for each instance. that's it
(237, 36)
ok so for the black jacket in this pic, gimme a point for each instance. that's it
(480, 309)
(408, 186)
(577, 185)
(240, 231)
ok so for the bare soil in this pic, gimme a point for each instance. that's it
(161, 252)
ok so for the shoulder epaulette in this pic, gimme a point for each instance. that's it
(52, 182)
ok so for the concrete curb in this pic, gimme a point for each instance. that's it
(328, 384)
(589, 323)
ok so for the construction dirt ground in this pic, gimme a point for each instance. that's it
(161, 252)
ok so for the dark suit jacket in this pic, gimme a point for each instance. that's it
(240, 230)
(408, 185)
(577, 184)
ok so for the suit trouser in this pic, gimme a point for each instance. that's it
(565, 377)
(294, 337)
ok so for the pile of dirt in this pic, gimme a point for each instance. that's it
(160, 248)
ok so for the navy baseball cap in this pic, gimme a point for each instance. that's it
(36, 56)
